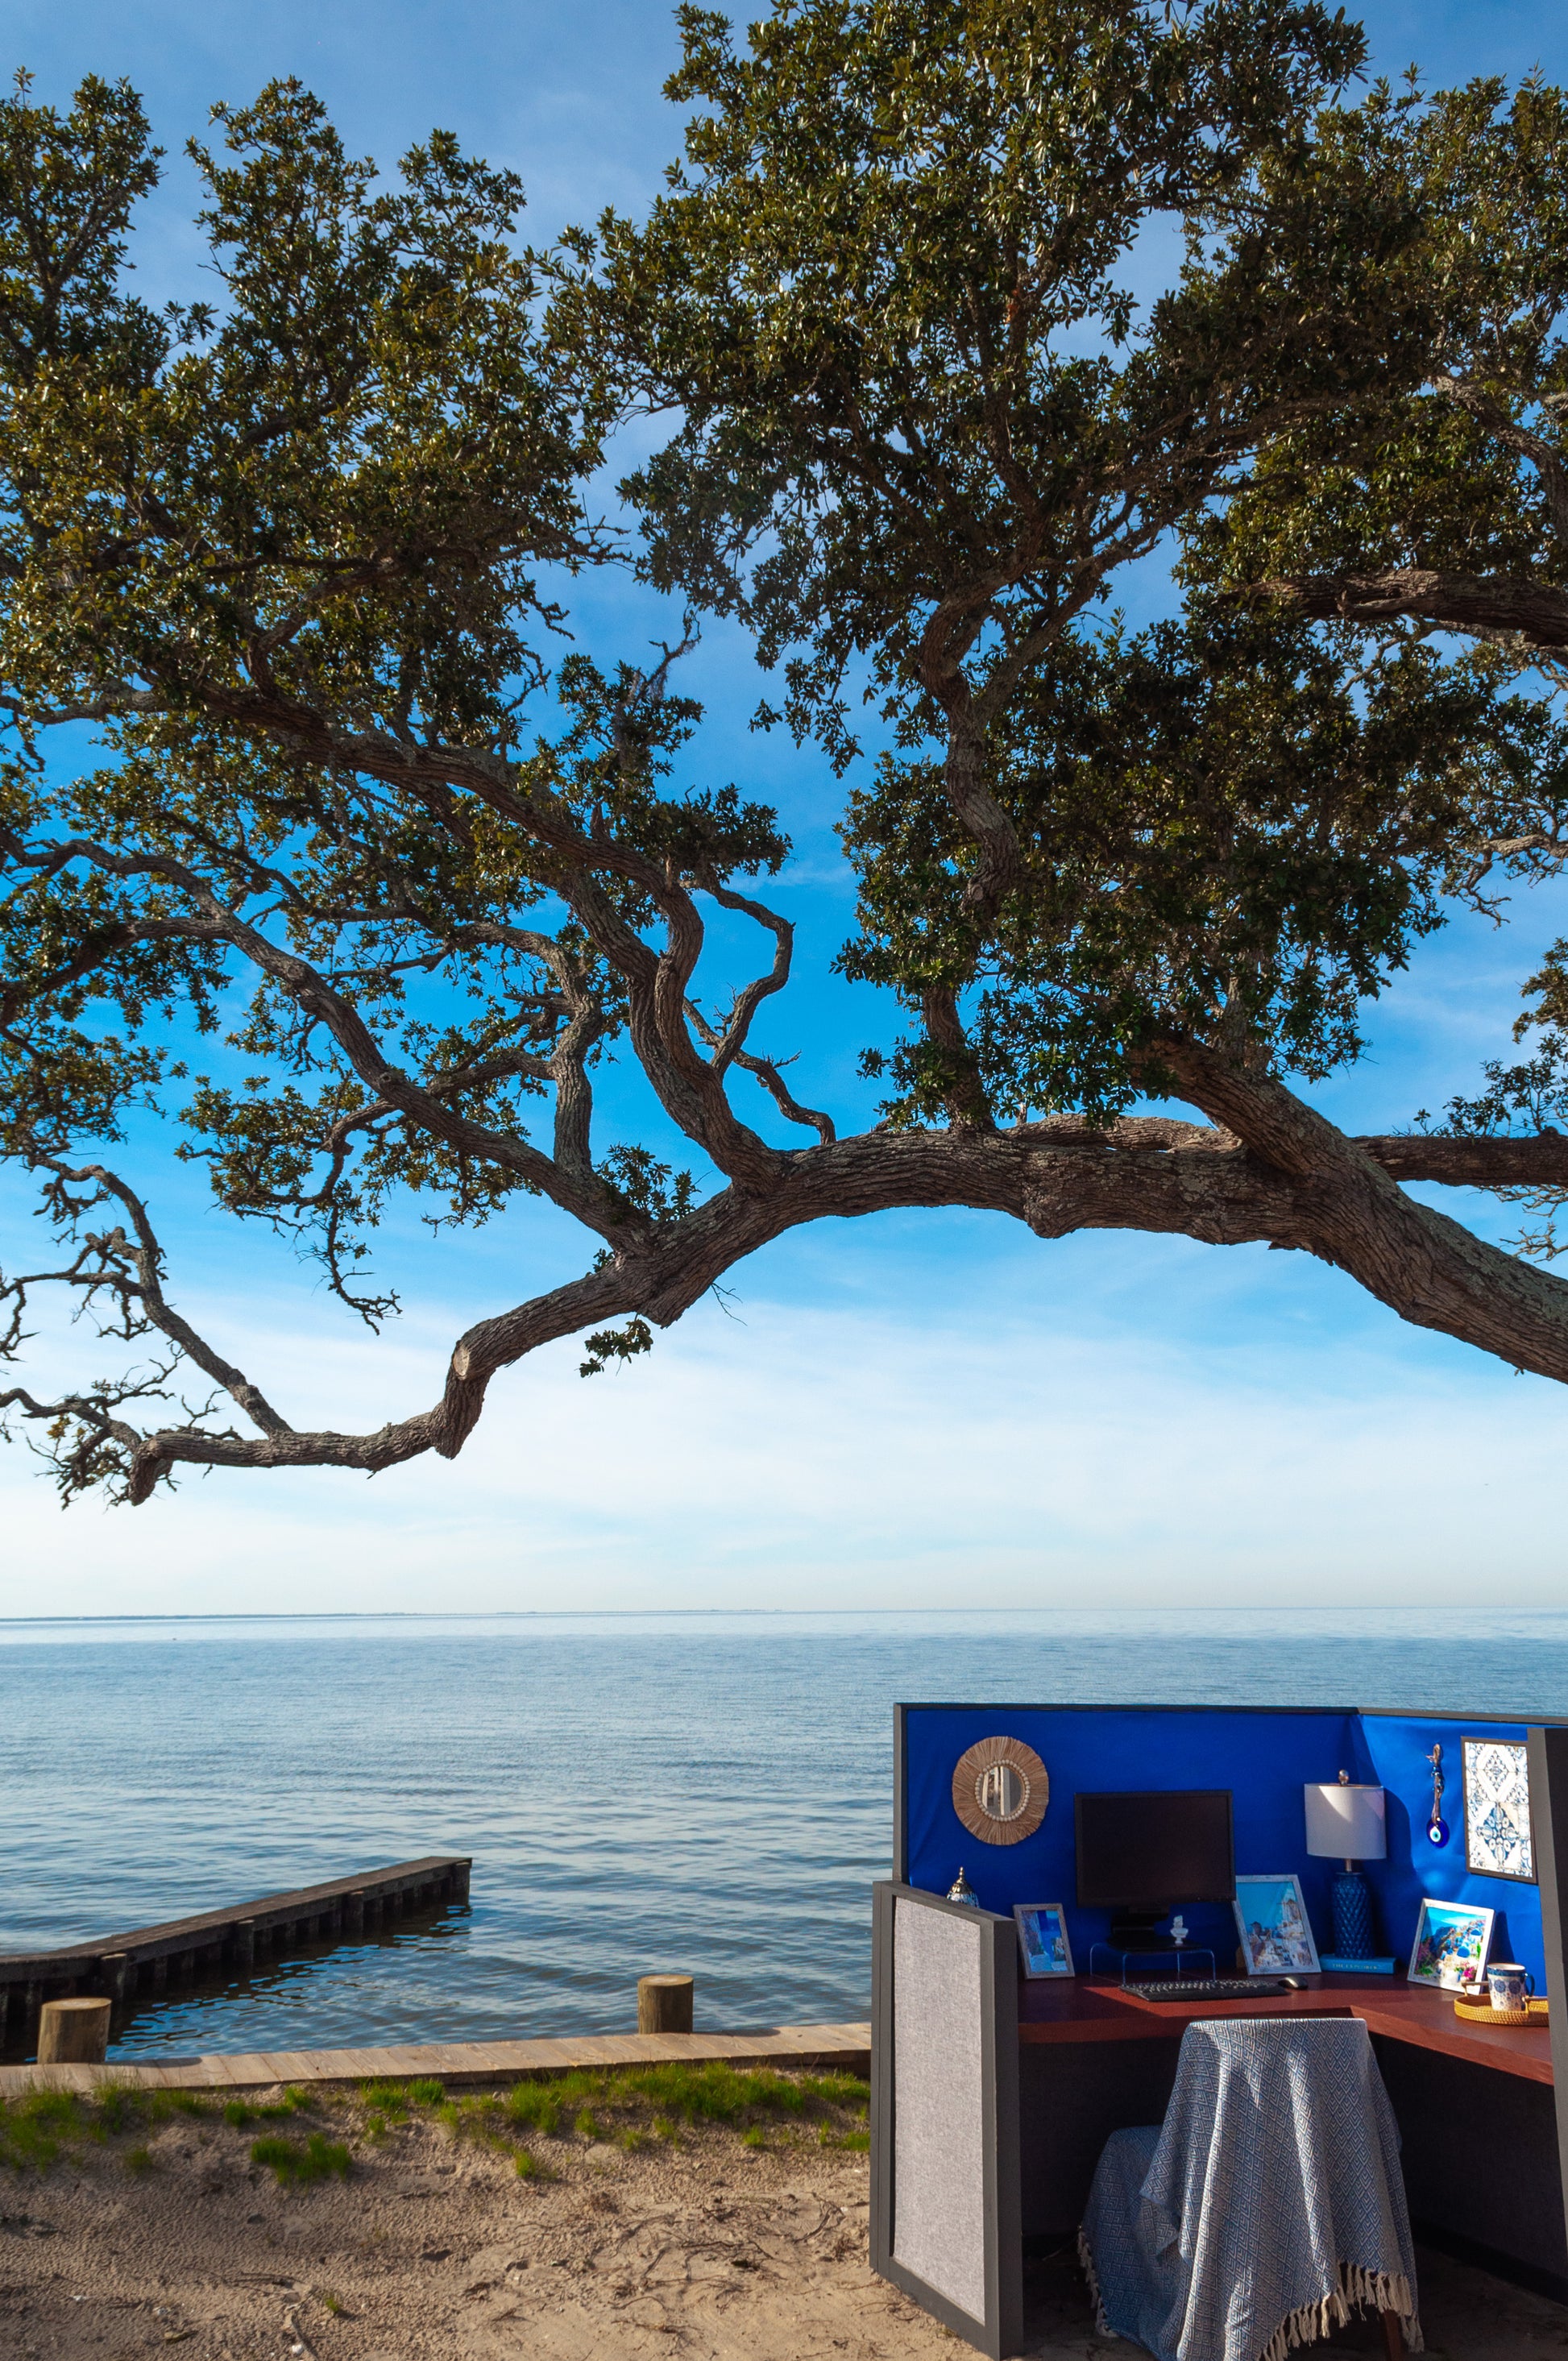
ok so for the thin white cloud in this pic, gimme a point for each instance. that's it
(836, 1458)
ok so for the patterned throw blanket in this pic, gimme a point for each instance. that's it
(1268, 2206)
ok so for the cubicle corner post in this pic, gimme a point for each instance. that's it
(883, 1894)
(901, 1794)
(946, 2225)
(1548, 1751)
(1004, 2196)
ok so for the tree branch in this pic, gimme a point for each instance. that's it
(1487, 605)
(1314, 1191)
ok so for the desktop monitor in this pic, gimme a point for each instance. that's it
(1141, 1855)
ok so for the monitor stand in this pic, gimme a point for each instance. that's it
(1131, 1931)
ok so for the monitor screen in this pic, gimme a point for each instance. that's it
(1155, 1852)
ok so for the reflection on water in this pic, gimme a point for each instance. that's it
(703, 1792)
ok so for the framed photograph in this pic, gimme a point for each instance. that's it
(1271, 1919)
(1498, 1841)
(1453, 1939)
(1042, 1938)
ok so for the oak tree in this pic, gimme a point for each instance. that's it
(283, 586)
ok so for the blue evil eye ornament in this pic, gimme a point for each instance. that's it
(1437, 1826)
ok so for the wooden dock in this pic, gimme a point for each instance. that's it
(836, 2049)
(143, 1963)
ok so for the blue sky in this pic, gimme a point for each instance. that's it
(928, 1411)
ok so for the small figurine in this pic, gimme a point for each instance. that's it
(961, 1890)
(1178, 1930)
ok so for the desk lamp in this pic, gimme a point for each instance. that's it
(1346, 1822)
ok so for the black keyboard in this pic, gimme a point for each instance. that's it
(1211, 1988)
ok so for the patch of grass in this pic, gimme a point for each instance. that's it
(296, 2163)
(117, 2108)
(60, 2109)
(537, 2105)
(486, 2119)
(162, 2104)
(328, 2301)
(392, 2100)
(138, 2159)
(34, 2127)
(237, 2114)
(715, 2092)
(630, 2108)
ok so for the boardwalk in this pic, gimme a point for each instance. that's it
(839, 2048)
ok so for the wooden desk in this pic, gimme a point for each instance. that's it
(1475, 2104)
(1079, 2009)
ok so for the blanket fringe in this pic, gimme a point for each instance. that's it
(1363, 2289)
(1086, 2263)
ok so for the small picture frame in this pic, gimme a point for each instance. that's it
(1498, 1839)
(1275, 1930)
(1043, 1939)
(1453, 1939)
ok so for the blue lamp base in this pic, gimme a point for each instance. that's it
(1353, 1916)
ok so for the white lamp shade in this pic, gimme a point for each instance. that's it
(1346, 1823)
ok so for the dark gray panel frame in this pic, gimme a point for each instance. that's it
(1001, 2331)
(1548, 1758)
(900, 1795)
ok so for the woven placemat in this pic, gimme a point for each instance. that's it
(1481, 2012)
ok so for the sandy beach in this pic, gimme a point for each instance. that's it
(627, 2235)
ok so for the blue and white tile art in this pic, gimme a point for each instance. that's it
(1496, 1809)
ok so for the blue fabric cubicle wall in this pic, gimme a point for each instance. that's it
(1264, 1758)
(1393, 1748)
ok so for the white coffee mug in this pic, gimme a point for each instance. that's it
(1509, 1984)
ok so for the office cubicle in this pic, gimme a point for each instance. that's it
(984, 2131)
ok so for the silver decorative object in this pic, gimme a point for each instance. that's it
(962, 1891)
(1437, 1826)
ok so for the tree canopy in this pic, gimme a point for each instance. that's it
(285, 584)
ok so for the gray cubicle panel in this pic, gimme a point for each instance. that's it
(946, 2224)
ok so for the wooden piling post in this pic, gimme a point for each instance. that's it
(460, 1882)
(244, 1953)
(74, 2032)
(664, 2004)
(353, 1916)
(117, 1974)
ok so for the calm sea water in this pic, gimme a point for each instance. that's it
(707, 1793)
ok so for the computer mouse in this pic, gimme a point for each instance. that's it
(1293, 1984)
